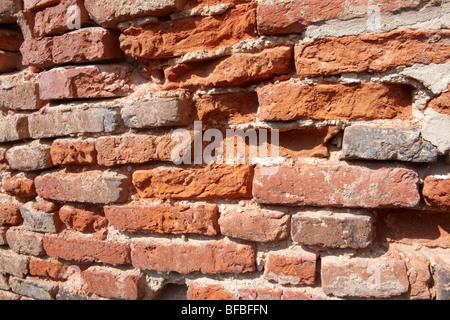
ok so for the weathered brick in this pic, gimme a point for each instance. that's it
(442, 281)
(213, 182)
(373, 53)
(54, 20)
(4, 279)
(3, 241)
(200, 291)
(95, 81)
(337, 186)
(25, 20)
(10, 39)
(109, 12)
(44, 205)
(441, 103)
(89, 186)
(114, 283)
(13, 263)
(3, 164)
(219, 256)
(363, 277)
(34, 288)
(48, 268)
(296, 267)
(84, 45)
(29, 157)
(419, 276)
(23, 241)
(86, 248)
(259, 225)
(236, 70)
(157, 112)
(8, 8)
(83, 218)
(178, 37)
(430, 229)
(333, 228)
(37, 5)
(367, 101)
(165, 218)
(65, 121)
(276, 293)
(73, 152)
(35, 220)
(372, 143)
(436, 192)
(9, 61)
(66, 294)
(13, 128)
(7, 295)
(284, 17)
(24, 96)
(10, 214)
(115, 150)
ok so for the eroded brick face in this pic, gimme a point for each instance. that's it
(224, 150)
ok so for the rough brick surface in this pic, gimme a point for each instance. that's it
(199, 291)
(176, 219)
(90, 186)
(13, 263)
(10, 40)
(13, 128)
(73, 152)
(36, 5)
(442, 281)
(34, 288)
(19, 186)
(23, 241)
(35, 220)
(371, 53)
(8, 8)
(436, 192)
(343, 187)
(10, 214)
(83, 218)
(29, 157)
(367, 101)
(48, 268)
(333, 228)
(175, 183)
(220, 256)
(21, 97)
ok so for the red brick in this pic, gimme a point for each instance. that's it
(10, 214)
(48, 268)
(366, 101)
(419, 276)
(284, 17)
(10, 40)
(109, 12)
(220, 256)
(332, 228)
(74, 246)
(200, 291)
(37, 5)
(176, 38)
(9, 61)
(8, 8)
(19, 186)
(236, 70)
(83, 218)
(97, 81)
(29, 157)
(89, 186)
(165, 218)
(436, 192)
(54, 20)
(46, 206)
(73, 152)
(14, 127)
(373, 53)
(114, 283)
(441, 103)
(296, 267)
(363, 277)
(115, 150)
(13, 263)
(259, 225)
(84, 45)
(337, 186)
(23, 241)
(430, 229)
(213, 182)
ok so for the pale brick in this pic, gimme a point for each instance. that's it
(35, 220)
(34, 288)
(13, 128)
(29, 157)
(13, 263)
(23, 241)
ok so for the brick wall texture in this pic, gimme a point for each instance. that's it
(106, 191)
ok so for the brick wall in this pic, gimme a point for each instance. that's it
(93, 95)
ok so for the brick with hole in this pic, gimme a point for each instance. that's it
(332, 228)
(291, 266)
(165, 218)
(334, 186)
(214, 256)
(13, 263)
(213, 182)
(259, 225)
(83, 218)
(93, 186)
(74, 246)
(372, 53)
(23, 241)
(73, 152)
